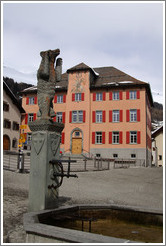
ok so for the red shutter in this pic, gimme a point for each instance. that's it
(138, 137)
(84, 116)
(54, 119)
(63, 117)
(34, 117)
(110, 95)
(93, 137)
(138, 114)
(26, 119)
(110, 137)
(121, 115)
(127, 137)
(103, 137)
(63, 138)
(82, 97)
(27, 100)
(138, 94)
(70, 117)
(35, 101)
(55, 99)
(94, 96)
(73, 97)
(103, 115)
(127, 94)
(127, 115)
(64, 98)
(121, 95)
(110, 115)
(104, 96)
(120, 137)
(93, 116)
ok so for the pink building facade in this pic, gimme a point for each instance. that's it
(105, 113)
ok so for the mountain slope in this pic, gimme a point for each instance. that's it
(29, 78)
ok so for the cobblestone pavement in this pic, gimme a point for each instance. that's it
(134, 186)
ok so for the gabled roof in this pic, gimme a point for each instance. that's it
(112, 75)
(104, 77)
(13, 98)
(82, 66)
(157, 131)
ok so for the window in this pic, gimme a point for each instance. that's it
(115, 137)
(98, 138)
(115, 95)
(15, 126)
(133, 155)
(60, 99)
(99, 116)
(14, 143)
(133, 95)
(31, 100)
(30, 117)
(7, 124)
(78, 97)
(59, 117)
(160, 157)
(115, 115)
(115, 155)
(99, 96)
(5, 106)
(77, 134)
(29, 138)
(133, 137)
(133, 115)
(77, 116)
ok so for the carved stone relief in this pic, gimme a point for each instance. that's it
(54, 142)
(38, 141)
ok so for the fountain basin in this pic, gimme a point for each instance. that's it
(100, 224)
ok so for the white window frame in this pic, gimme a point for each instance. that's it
(115, 95)
(30, 117)
(133, 137)
(78, 97)
(59, 98)
(115, 116)
(115, 137)
(31, 100)
(99, 116)
(98, 137)
(133, 156)
(77, 116)
(133, 95)
(133, 115)
(99, 96)
(59, 116)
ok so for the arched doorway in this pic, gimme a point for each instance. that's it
(6, 142)
(76, 141)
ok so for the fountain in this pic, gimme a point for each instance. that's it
(46, 222)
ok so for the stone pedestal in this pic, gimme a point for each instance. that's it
(44, 148)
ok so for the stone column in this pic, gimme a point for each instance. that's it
(45, 147)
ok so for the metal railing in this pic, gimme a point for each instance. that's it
(16, 161)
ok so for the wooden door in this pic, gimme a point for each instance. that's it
(76, 145)
(6, 142)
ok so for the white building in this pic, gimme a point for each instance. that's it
(157, 147)
(11, 119)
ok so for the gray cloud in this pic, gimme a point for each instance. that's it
(127, 36)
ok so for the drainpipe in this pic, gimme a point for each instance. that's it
(146, 131)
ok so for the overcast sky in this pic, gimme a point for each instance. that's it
(128, 36)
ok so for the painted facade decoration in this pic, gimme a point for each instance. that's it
(106, 112)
